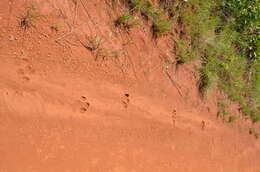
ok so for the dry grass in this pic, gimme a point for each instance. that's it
(28, 18)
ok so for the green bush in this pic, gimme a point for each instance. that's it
(225, 35)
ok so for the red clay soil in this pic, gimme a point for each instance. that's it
(64, 108)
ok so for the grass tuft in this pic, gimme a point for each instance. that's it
(161, 27)
(127, 21)
(28, 18)
(160, 24)
(231, 119)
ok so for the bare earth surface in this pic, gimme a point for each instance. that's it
(62, 109)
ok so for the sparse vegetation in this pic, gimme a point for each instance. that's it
(95, 45)
(168, 62)
(161, 27)
(231, 119)
(122, 20)
(224, 35)
(127, 21)
(207, 80)
(222, 113)
(27, 19)
(184, 51)
(160, 24)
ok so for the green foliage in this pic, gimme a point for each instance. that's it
(225, 35)
(222, 113)
(184, 51)
(160, 24)
(172, 7)
(138, 5)
(123, 19)
(246, 15)
(207, 77)
(127, 21)
(161, 27)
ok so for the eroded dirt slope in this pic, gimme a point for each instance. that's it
(65, 108)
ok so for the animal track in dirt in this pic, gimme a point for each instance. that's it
(29, 69)
(26, 78)
(174, 116)
(83, 98)
(126, 100)
(84, 104)
(83, 109)
(25, 73)
(20, 72)
(203, 125)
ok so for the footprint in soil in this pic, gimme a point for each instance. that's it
(126, 100)
(174, 116)
(29, 69)
(25, 73)
(84, 104)
(25, 78)
(83, 99)
(203, 125)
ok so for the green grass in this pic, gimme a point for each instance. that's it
(127, 21)
(123, 19)
(207, 79)
(160, 24)
(138, 5)
(184, 51)
(161, 27)
(222, 34)
(222, 113)
(224, 44)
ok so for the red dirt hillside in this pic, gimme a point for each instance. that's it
(78, 94)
